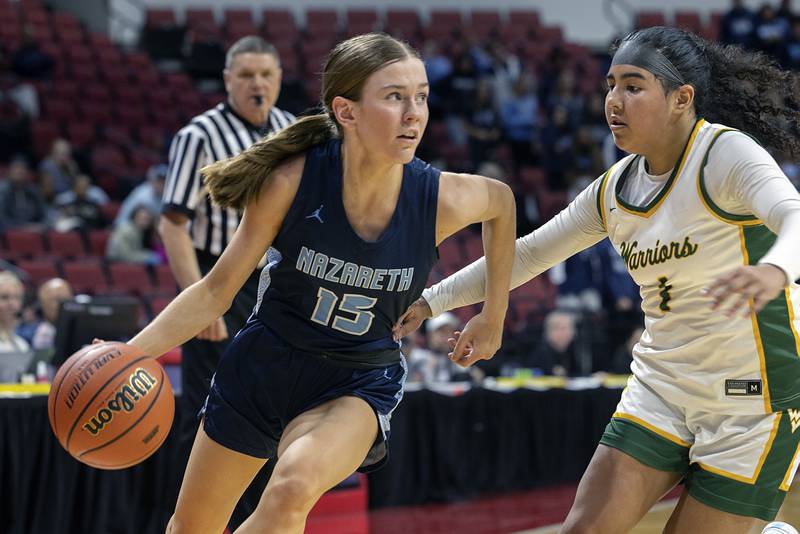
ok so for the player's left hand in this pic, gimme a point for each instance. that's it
(479, 340)
(761, 283)
(411, 319)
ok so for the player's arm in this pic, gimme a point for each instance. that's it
(207, 299)
(465, 199)
(576, 228)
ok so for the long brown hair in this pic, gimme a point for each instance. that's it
(235, 182)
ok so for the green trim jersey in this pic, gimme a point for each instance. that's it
(675, 245)
(678, 233)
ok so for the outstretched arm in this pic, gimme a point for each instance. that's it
(577, 227)
(205, 300)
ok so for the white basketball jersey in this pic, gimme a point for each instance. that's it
(674, 246)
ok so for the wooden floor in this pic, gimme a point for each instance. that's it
(654, 521)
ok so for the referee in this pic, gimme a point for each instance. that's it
(195, 231)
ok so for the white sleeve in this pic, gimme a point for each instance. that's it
(577, 227)
(743, 179)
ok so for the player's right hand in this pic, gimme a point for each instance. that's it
(411, 319)
(479, 340)
(216, 331)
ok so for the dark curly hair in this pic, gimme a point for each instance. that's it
(733, 86)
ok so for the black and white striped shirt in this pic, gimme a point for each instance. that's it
(216, 134)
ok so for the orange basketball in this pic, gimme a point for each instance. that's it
(110, 406)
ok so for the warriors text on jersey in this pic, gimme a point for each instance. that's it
(674, 245)
(332, 292)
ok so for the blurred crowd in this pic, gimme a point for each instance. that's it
(538, 125)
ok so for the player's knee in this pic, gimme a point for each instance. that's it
(295, 492)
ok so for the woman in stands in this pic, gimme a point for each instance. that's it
(709, 228)
(312, 379)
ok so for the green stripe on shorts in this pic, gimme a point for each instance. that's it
(762, 499)
(645, 445)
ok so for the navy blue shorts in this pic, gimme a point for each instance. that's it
(262, 383)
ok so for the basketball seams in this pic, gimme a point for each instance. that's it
(54, 397)
(132, 426)
(97, 393)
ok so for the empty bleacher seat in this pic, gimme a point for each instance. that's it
(69, 245)
(130, 277)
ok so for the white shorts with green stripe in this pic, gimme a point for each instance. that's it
(742, 464)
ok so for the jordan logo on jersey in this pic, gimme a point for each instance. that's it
(794, 418)
(316, 214)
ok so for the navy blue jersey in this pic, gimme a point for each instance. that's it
(333, 293)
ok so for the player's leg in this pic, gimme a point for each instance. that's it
(214, 480)
(693, 516)
(615, 492)
(319, 449)
(739, 479)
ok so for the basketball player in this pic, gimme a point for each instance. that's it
(709, 228)
(312, 379)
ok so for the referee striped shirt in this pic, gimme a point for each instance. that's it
(216, 134)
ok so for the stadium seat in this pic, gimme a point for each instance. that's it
(484, 22)
(200, 18)
(279, 24)
(647, 19)
(165, 281)
(130, 277)
(689, 20)
(160, 18)
(86, 276)
(444, 20)
(43, 133)
(25, 243)
(238, 16)
(524, 18)
(38, 270)
(98, 240)
(66, 245)
(403, 22)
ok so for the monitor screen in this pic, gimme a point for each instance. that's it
(84, 318)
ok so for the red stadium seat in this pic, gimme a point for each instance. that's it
(524, 18)
(98, 240)
(165, 281)
(39, 271)
(647, 19)
(484, 23)
(69, 245)
(279, 23)
(403, 22)
(81, 134)
(130, 277)
(689, 20)
(160, 18)
(25, 243)
(200, 18)
(360, 21)
(238, 16)
(86, 276)
(445, 19)
(44, 132)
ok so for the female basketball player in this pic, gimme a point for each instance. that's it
(709, 227)
(312, 379)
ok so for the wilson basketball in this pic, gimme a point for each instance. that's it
(110, 406)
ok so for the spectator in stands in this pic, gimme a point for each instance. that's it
(506, 70)
(520, 116)
(60, 165)
(460, 90)
(128, 240)
(770, 32)
(147, 194)
(15, 134)
(41, 332)
(80, 207)
(195, 232)
(791, 48)
(15, 353)
(482, 124)
(623, 355)
(555, 354)
(785, 13)
(29, 61)
(21, 202)
(438, 67)
(738, 25)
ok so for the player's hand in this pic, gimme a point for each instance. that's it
(761, 283)
(411, 319)
(479, 340)
(216, 331)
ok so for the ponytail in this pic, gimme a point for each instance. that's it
(748, 91)
(237, 181)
